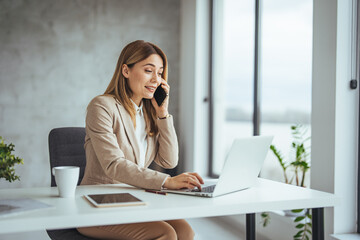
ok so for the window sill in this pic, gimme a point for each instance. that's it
(347, 236)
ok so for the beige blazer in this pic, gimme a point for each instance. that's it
(112, 150)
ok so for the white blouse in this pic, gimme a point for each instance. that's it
(140, 132)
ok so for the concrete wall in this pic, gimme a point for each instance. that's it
(55, 56)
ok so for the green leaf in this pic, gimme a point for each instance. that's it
(298, 219)
(297, 210)
(300, 225)
(298, 234)
(265, 219)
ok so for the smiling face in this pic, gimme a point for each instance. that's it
(144, 77)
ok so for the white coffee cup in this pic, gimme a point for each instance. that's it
(66, 178)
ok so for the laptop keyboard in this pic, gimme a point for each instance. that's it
(208, 189)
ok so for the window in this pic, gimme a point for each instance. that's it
(233, 84)
(284, 61)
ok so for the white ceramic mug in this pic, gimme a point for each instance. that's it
(66, 178)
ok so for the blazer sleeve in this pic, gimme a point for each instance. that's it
(99, 122)
(168, 154)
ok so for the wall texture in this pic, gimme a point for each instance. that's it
(55, 56)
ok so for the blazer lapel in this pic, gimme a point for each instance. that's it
(129, 129)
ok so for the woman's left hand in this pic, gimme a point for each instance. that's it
(162, 111)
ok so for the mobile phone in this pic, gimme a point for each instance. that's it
(159, 95)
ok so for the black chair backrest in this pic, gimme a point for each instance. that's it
(66, 148)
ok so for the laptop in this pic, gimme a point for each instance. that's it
(240, 170)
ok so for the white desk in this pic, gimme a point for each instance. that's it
(77, 212)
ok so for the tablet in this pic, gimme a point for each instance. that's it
(113, 200)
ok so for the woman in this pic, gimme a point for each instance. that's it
(126, 130)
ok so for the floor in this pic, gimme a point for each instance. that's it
(216, 228)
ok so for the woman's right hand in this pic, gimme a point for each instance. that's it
(162, 111)
(184, 180)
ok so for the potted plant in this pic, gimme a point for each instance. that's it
(8, 161)
(298, 168)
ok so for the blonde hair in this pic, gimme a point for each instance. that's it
(118, 87)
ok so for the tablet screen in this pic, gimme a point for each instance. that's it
(114, 199)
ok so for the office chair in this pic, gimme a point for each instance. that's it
(66, 148)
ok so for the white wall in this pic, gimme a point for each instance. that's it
(346, 126)
(334, 113)
(194, 77)
(187, 86)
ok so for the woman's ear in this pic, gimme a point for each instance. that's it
(125, 70)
